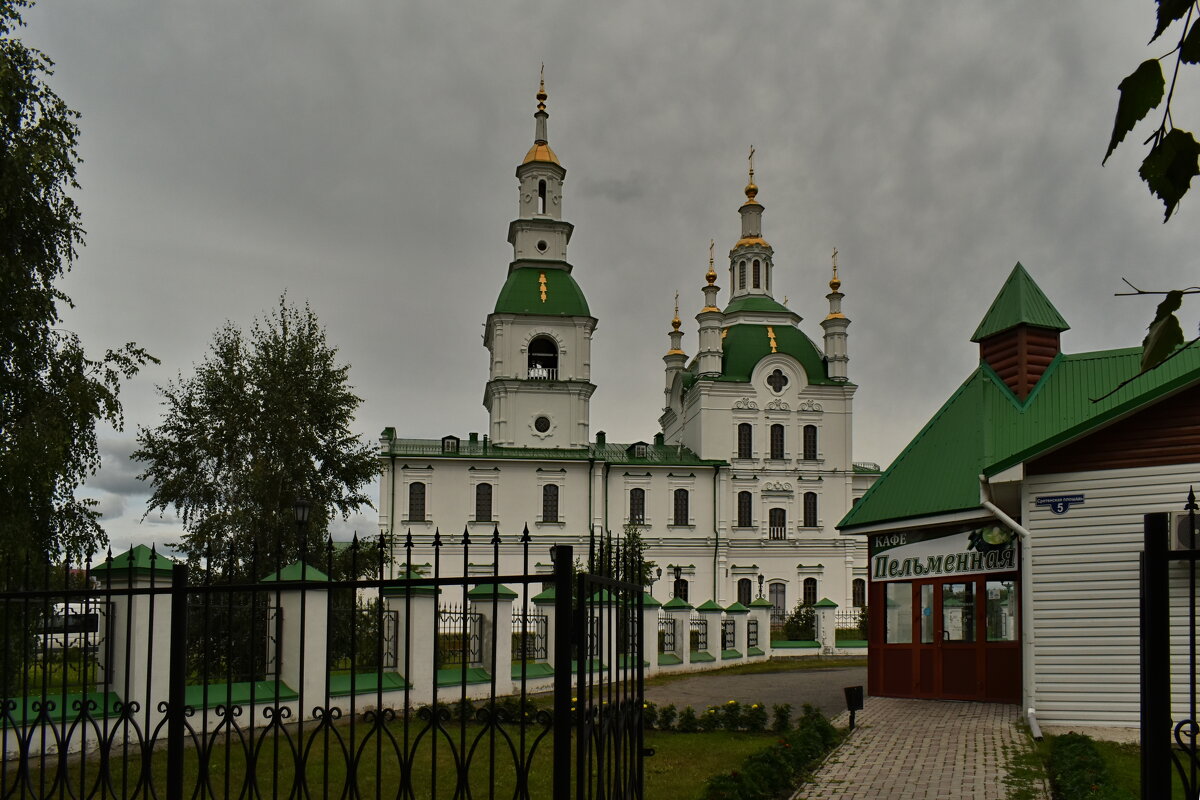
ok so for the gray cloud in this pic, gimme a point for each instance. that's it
(362, 158)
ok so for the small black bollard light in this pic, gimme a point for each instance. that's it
(854, 701)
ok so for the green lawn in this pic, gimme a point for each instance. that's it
(677, 771)
(1125, 766)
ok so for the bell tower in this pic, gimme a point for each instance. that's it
(540, 333)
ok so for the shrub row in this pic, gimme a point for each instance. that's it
(732, 716)
(1077, 770)
(776, 771)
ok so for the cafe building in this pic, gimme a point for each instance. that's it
(1004, 539)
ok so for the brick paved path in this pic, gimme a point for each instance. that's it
(922, 750)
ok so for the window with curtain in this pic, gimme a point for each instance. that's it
(637, 506)
(550, 503)
(810, 591)
(745, 508)
(810, 509)
(745, 440)
(810, 442)
(776, 441)
(681, 507)
(416, 502)
(483, 502)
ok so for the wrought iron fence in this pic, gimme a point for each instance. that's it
(699, 633)
(224, 685)
(752, 632)
(666, 635)
(529, 637)
(728, 634)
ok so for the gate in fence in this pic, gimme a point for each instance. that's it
(140, 677)
(1168, 590)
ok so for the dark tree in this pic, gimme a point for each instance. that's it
(51, 394)
(264, 420)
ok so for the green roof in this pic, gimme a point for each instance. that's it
(1020, 302)
(489, 590)
(648, 600)
(825, 602)
(676, 602)
(756, 302)
(984, 429)
(299, 571)
(139, 559)
(612, 452)
(709, 605)
(522, 294)
(736, 608)
(745, 345)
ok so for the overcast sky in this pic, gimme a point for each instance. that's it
(360, 156)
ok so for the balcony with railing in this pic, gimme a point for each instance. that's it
(543, 373)
(777, 532)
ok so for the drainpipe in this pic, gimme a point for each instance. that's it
(985, 494)
(716, 533)
(392, 517)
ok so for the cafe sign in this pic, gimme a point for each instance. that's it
(929, 554)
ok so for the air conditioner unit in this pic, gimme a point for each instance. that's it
(1184, 536)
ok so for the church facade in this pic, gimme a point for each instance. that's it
(737, 494)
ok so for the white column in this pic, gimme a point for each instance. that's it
(760, 610)
(416, 639)
(679, 611)
(495, 603)
(826, 623)
(544, 604)
(303, 633)
(650, 610)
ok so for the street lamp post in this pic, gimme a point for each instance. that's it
(301, 509)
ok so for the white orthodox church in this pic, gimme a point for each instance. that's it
(740, 490)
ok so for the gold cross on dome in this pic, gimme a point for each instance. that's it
(751, 161)
(835, 262)
(711, 244)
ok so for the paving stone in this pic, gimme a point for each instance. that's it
(922, 750)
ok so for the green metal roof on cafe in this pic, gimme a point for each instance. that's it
(525, 293)
(984, 429)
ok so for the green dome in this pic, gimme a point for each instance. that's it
(745, 345)
(522, 294)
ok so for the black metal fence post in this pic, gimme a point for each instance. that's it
(564, 560)
(177, 678)
(1155, 658)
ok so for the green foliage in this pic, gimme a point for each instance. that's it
(687, 721)
(731, 716)
(864, 623)
(649, 715)
(710, 720)
(1174, 157)
(1140, 92)
(1077, 770)
(773, 773)
(755, 718)
(801, 624)
(264, 420)
(51, 394)
(1165, 333)
(782, 717)
(666, 717)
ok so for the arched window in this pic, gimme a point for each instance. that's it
(810, 591)
(743, 592)
(681, 507)
(778, 523)
(541, 197)
(745, 440)
(483, 502)
(741, 274)
(859, 593)
(745, 506)
(810, 509)
(543, 359)
(637, 506)
(680, 589)
(777, 441)
(416, 502)
(550, 503)
(810, 442)
(757, 273)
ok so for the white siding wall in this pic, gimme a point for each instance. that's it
(1085, 591)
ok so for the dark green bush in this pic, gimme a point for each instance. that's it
(687, 720)
(666, 717)
(801, 624)
(731, 716)
(649, 715)
(754, 718)
(710, 720)
(783, 717)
